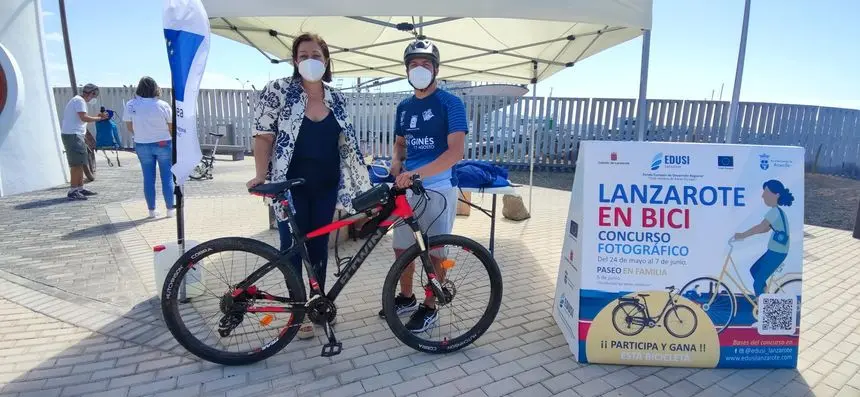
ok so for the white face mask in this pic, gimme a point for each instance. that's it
(420, 77)
(311, 70)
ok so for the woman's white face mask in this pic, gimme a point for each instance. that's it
(420, 77)
(311, 70)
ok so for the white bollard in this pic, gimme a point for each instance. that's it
(164, 256)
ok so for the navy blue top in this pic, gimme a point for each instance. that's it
(315, 156)
(425, 124)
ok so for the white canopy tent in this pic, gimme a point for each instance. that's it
(503, 41)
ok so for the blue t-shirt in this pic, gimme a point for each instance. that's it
(425, 124)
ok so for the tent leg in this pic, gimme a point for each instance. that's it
(641, 118)
(731, 131)
(532, 138)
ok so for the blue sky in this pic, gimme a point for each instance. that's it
(798, 51)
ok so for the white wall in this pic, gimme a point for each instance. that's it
(31, 156)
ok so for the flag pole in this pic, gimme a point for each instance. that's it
(177, 190)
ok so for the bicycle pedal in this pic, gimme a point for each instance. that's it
(331, 349)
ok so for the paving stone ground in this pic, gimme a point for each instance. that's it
(79, 316)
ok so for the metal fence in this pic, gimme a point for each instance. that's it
(500, 127)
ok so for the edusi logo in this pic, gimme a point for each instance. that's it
(656, 161)
(669, 161)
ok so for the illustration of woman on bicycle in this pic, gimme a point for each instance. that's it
(774, 194)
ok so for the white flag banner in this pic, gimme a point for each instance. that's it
(186, 30)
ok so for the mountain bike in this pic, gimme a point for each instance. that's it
(236, 321)
(631, 316)
(203, 170)
(720, 302)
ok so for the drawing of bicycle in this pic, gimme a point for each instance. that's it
(720, 302)
(631, 316)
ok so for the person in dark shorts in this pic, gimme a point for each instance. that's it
(74, 128)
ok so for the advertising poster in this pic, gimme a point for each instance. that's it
(684, 254)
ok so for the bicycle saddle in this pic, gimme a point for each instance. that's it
(643, 295)
(216, 134)
(274, 189)
(670, 288)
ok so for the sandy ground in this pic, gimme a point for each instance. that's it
(831, 201)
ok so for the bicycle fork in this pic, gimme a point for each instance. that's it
(434, 286)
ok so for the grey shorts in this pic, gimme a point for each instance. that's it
(76, 149)
(436, 216)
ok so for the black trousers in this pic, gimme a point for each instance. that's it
(314, 209)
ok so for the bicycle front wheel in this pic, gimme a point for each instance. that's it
(792, 288)
(468, 272)
(219, 326)
(680, 321)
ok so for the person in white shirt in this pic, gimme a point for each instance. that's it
(73, 130)
(149, 119)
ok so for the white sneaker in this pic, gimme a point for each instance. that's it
(306, 330)
(171, 213)
(153, 214)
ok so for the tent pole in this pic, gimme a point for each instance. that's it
(739, 73)
(68, 45)
(532, 137)
(642, 105)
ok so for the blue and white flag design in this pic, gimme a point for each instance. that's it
(186, 29)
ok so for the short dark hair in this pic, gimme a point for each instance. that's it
(316, 39)
(147, 88)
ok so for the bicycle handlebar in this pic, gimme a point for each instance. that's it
(417, 186)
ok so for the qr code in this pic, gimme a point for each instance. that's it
(777, 314)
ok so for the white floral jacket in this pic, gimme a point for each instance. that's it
(280, 111)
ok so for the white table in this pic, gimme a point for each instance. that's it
(510, 189)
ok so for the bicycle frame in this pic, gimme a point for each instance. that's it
(399, 210)
(669, 303)
(739, 285)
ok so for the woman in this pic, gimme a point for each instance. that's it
(774, 194)
(304, 131)
(149, 120)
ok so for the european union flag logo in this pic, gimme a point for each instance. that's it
(725, 161)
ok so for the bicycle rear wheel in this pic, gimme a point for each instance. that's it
(628, 318)
(469, 274)
(199, 171)
(218, 327)
(715, 298)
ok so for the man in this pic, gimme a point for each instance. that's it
(430, 129)
(73, 130)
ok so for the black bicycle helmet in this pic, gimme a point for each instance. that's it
(421, 48)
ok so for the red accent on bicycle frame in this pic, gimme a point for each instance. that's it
(331, 227)
(287, 327)
(266, 309)
(402, 208)
(314, 283)
(237, 292)
(263, 195)
(158, 248)
(252, 290)
(428, 292)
